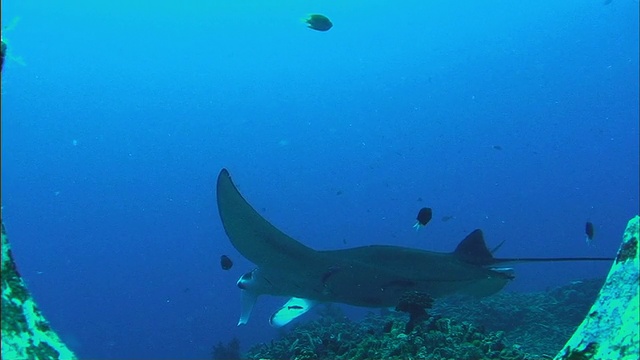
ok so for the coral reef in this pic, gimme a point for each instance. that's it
(231, 351)
(539, 322)
(383, 337)
(611, 328)
(504, 326)
(25, 332)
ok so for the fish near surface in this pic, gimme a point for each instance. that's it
(369, 276)
(318, 22)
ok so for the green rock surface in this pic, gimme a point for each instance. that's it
(610, 329)
(26, 334)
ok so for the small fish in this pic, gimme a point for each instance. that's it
(497, 147)
(424, 216)
(447, 218)
(318, 22)
(589, 232)
(3, 50)
(225, 262)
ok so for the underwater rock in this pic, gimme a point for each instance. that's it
(26, 334)
(610, 329)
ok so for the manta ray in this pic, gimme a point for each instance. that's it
(374, 276)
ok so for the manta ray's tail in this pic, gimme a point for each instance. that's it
(474, 250)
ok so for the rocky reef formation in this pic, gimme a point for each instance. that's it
(538, 322)
(26, 334)
(610, 329)
(334, 336)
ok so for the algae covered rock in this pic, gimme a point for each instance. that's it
(610, 329)
(25, 332)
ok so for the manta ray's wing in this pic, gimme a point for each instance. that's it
(285, 266)
(253, 236)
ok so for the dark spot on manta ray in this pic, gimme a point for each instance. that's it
(294, 307)
(332, 270)
(225, 262)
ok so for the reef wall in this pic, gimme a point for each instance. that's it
(610, 329)
(25, 332)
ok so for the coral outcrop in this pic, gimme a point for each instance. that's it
(26, 334)
(610, 329)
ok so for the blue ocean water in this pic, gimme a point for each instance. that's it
(519, 118)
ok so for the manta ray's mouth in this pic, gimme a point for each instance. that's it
(245, 280)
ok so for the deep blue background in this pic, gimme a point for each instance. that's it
(118, 235)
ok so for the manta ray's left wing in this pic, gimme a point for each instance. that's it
(253, 236)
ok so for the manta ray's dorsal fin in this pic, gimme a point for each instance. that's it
(473, 249)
